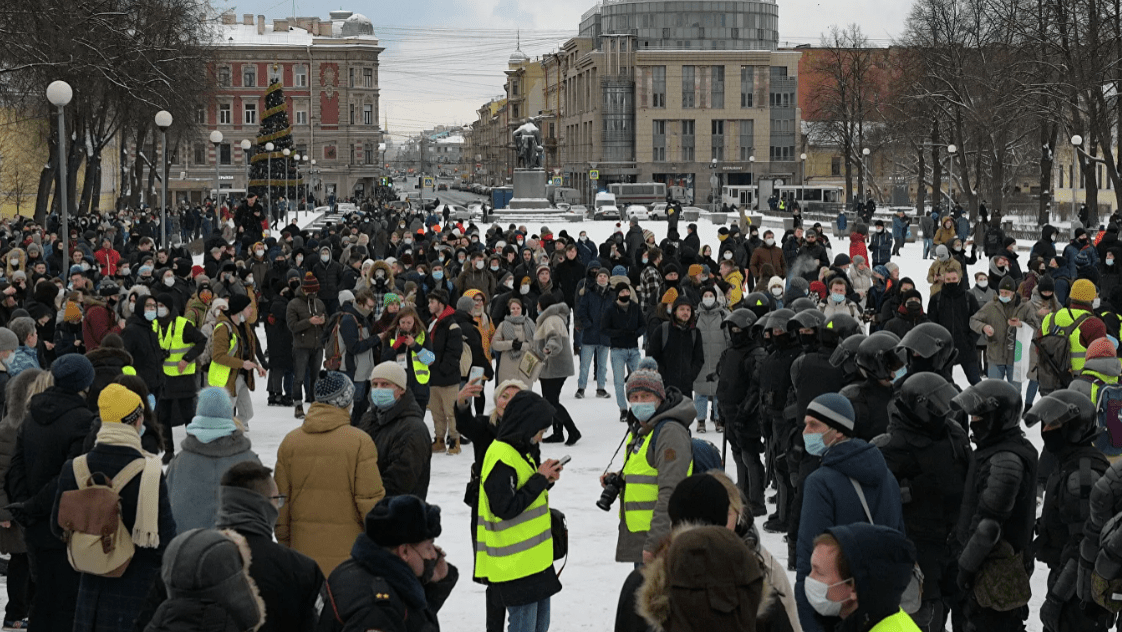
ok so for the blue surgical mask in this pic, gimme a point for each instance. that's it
(643, 410)
(1005, 299)
(150, 314)
(382, 398)
(837, 298)
(814, 443)
(901, 372)
(152, 401)
(438, 274)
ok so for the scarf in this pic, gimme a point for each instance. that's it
(245, 511)
(146, 528)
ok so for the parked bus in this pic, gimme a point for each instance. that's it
(739, 195)
(829, 194)
(646, 193)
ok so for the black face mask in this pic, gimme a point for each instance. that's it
(914, 309)
(673, 283)
(625, 299)
(1054, 440)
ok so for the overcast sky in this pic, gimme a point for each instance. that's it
(445, 58)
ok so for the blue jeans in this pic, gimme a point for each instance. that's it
(622, 358)
(928, 246)
(586, 353)
(1003, 372)
(1030, 396)
(701, 404)
(532, 617)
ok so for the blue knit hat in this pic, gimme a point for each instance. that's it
(214, 415)
(336, 389)
(619, 271)
(73, 372)
(835, 411)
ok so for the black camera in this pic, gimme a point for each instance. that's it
(613, 484)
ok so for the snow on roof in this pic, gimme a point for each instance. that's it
(246, 34)
(451, 140)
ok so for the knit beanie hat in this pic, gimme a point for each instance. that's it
(391, 298)
(238, 302)
(694, 270)
(646, 378)
(700, 499)
(834, 410)
(1046, 284)
(891, 267)
(774, 282)
(398, 520)
(1101, 348)
(465, 303)
(311, 283)
(669, 296)
(841, 259)
(73, 372)
(336, 389)
(214, 415)
(392, 372)
(941, 252)
(117, 404)
(1083, 291)
(1091, 330)
(1008, 284)
(8, 340)
(71, 313)
(505, 384)
(619, 271)
(346, 296)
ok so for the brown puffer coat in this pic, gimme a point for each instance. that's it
(328, 469)
(246, 350)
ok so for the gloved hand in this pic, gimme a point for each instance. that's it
(965, 580)
(712, 377)
(1050, 614)
(516, 345)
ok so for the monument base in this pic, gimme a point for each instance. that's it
(529, 184)
(522, 203)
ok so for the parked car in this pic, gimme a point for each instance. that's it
(442, 187)
(658, 211)
(637, 211)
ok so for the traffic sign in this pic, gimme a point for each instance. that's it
(555, 181)
(427, 183)
(594, 174)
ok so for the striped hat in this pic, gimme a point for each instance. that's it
(646, 378)
(835, 411)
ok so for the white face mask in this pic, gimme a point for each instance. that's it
(815, 592)
(169, 281)
(161, 312)
(708, 301)
(769, 241)
(478, 265)
(728, 255)
(983, 284)
(259, 252)
(525, 289)
(777, 291)
(325, 258)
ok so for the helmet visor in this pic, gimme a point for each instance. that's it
(938, 402)
(1051, 412)
(974, 403)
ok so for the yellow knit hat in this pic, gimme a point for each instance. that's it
(694, 270)
(1083, 291)
(118, 404)
(670, 296)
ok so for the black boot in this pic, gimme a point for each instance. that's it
(558, 435)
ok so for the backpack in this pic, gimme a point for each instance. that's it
(1083, 259)
(97, 541)
(1053, 367)
(705, 455)
(333, 347)
(665, 333)
(1109, 418)
(992, 242)
(465, 355)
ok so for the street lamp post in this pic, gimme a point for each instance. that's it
(59, 94)
(287, 152)
(714, 184)
(306, 171)
(216, 139)
(269, 147)
(802, 177)
(951, 151)
(1076, 143)
(295, 199)
(752, 173)
(163, 121)
(865, 173)
(246, 145)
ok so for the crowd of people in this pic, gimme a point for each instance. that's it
(906, 501)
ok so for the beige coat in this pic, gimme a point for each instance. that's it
(328, 469)
(997, 315)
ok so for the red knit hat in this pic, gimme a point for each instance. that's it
(311, 283)
(1101, 348)
(818, 288)
(1091, 330)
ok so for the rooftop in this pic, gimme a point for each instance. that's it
(299, 31)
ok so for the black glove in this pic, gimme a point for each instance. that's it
(1050, 614)
(965, 580)
(516, 345)
(712, 377)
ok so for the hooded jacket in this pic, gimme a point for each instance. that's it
(714, 340)
(671, 344)
(194, 474)
(881, 568)
(829, 500)
(551, 341)
(404, 445)
(299, 313)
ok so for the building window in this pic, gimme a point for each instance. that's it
(836, 167)
(329, 152)
(717, 132)
(352, 114)
(516, 111)
(688, 130)
(747, 139)
(781, 99)
(249, 76)
(224, 157)
(368, 153)
(200, 115)
(367, 114)
(688, 86)
(782, 153)
(784, 126)
(224, 76)
(778, 72)
(351, 75)
(747, 86)
(718, 90)
(658, 86)
(223, 113)
(200, 154)
(250, 113)
(367, 77)
(301, 117)
(514, 88)
(300, 76)
(658, 142)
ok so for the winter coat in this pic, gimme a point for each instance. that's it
(108, 363)
(857, 243)
(830, 308)
(194, 474)
(512, 329)
(98, 321)
(938, 268)
(54, 432)
(900, 229)
(927, 226)
(568, 274)
(361, 348)
(880, 247)
(736, 280)
(298, 314)
(665, 455)
(624, 325)
(330, 277)
(328, 469)
(952, 308)
(447, 344)
(246, 350)
(143, 345)
(404, 446)
(903, 321)
(1001, 346)
(829, 499)
(473, 339)
(881, 571)
(22, 359)
(192, 615)
(946, 233)
(551, 341)
(471, 279)
(714, 340)
(592, 301)
(278, 336)
(11, 538)
(670, 344)
(768, 254)
(862, 281)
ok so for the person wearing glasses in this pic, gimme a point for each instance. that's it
(289, 581)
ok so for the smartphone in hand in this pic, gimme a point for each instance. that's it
(475, 373)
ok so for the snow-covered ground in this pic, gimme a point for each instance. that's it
(591, 578)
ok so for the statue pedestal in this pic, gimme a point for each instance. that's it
(529, 189)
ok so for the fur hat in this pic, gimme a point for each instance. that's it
(398, 520)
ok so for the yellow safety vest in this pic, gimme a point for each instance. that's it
(506, 550)
(219, 373)
(420, 369)
(899, 622)
(1064, 318)
(640, 494)
(173, 343)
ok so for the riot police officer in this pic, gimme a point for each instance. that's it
(775, 383)
(738, 397)
(879, 361)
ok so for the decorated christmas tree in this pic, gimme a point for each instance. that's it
(272, 173)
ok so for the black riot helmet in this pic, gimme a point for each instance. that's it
(807, 319)
(997, 405)
(758, 303)
(778, 320)
(740, 324)
(877, 356)
(845, 356)
(803, 303)
(924, 401)
(929, 347)
(1068, 413)
(836, 329)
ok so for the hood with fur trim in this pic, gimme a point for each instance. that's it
(384, 267)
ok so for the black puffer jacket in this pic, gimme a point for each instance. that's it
(952, 308)
(108, 363)
(447, 344)
(192, 615)
(148, 358)
(680, 353)
(404, 446)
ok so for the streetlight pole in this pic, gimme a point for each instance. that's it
(163, 121)
(216, 138)
(865, 174)
(951, 151)
(287, 152)
(314, 171)
(246, 145)
(269, 147)
(752, 171)
(1076, 143)
(59, 94)
(307, 171)
(802, 177)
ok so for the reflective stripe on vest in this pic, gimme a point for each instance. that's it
(506, 550)
(173, 343)
(219, 374)
(639, 496)
(420, 369)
